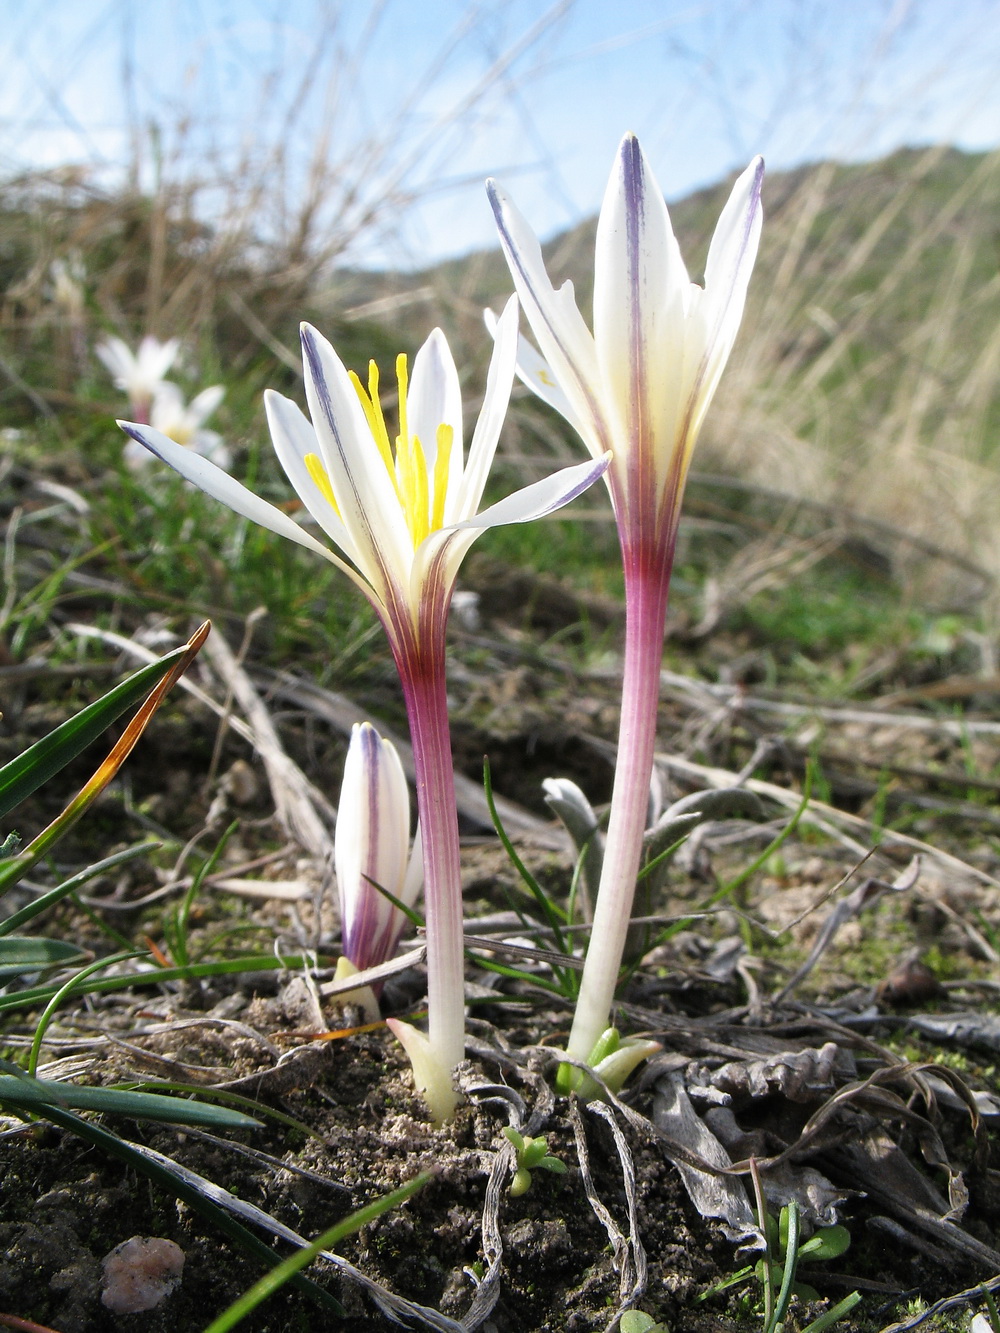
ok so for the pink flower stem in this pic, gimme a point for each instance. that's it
(422, 674)
(647, 584)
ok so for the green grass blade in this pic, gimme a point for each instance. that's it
(41, 904)
(227, 1097)
(555, 917)
(22, 953)
(739, 880)
(838, 1311)
(25, 1093)
(53, 752)
(31, 997)
(281, 1273)
(67, 988)
(791, 1264)
(14, 867)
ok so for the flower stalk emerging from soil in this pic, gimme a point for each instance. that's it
(403, 518)
(640, 385)
(372, 852)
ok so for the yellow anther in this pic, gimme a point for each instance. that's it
(420, 520)
(407, 465)
(321, 477)
(403, 380)
(373, 412)
(445, 439)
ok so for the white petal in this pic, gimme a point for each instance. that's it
(464, 502)
(221, 486)
(730, 262)
(718, 310)
(167, 413)
(641, 299)
(537, 375)
(293, 438)
(202, 405)
(439, 556)
(557, 324)
(155, 358)
(435, 399)
(542, 497)
(366, 495)
(117, 359)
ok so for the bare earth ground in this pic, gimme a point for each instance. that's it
(831, 1080)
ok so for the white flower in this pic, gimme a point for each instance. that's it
(138, 375)
(183, 423)
(68, 276)
(640, 384)
(402, 518)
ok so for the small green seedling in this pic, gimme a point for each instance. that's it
(637, 1321)
(531, 1153)
(612, 1060)
(776, 1271)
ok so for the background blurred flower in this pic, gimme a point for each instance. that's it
(183, 423)
(139, 375)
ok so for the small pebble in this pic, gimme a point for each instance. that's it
(140, 1273)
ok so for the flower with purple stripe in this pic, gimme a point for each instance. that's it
(372, 849)
(640, 386)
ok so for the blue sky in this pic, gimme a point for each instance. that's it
(410, 105)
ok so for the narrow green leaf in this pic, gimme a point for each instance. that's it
(12, 869)
(53, 752)
(791, 1246)
(154, 976)
(831, 1317)
(46, 900)
(22, 953)
(279, 1275)
(38, 1095)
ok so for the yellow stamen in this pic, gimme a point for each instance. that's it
(321, 477)
(418, 516)
(373, 411)
(408, 467)
(445, 439)
(403, 380)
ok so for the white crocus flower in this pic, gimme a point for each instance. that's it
(184, 423)
(68, 276)
(639, 385)
(139, 375)
(402, 519)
